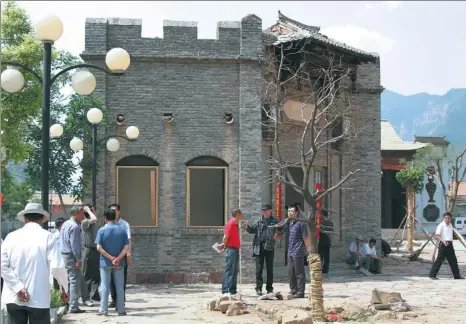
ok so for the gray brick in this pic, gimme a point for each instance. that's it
(198, 80)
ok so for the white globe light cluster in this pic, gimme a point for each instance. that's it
(49, 30)
(95, 116)
(83, 82)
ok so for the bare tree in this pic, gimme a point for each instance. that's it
(322, 83)
(436, 162)
(449, 168)
(456, 172)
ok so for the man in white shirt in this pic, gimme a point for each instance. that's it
(124, 224)
(444, 233)
(57, 265)
(25, 268)
(354, 254)
(370, 261)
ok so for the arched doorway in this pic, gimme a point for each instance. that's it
(137, 190)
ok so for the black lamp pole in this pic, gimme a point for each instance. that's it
(47, 81)
(46, 85)
(94, 165)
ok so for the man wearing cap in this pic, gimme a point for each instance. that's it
(25, 268)
(263, 247)
(354, 254)
(71, 250)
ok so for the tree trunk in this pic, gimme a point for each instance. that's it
(410, 196)
(316, 291)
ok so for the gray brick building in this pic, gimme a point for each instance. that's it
(178, 183)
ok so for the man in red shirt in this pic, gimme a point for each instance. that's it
(231, 245)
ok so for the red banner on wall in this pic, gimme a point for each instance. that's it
(278, 203)
(319, 213)
(278, 200)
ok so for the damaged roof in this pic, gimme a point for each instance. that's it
(288, 30)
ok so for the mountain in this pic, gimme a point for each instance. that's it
(424, 114)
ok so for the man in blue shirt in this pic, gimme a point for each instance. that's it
(112, 244)
(297, 249)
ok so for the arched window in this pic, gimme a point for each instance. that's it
(137, 190)
(206, 192)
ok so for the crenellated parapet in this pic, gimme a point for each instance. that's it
(236, 40)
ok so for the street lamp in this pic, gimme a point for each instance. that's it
(48, 30)
(56, 130)
(94, 116)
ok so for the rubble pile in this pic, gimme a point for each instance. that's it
(389, 305)
(275, 296)
(229, 305)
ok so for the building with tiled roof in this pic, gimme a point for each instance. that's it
(199, 105)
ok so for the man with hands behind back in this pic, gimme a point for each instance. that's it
(113, 244)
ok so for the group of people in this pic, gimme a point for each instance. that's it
(361, 254)
(266, 230)
(85, 262)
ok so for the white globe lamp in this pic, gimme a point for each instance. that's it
(132, 132)
(94, 116)
(113, 145)
(48, 29)
(76, 144)
(83, 82)
(56, 130)
(12, 80)
(117, 60)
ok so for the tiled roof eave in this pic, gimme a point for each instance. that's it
(283, 39)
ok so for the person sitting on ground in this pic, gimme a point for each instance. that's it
(371, 261)
(354, 254)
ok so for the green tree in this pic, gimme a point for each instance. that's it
(18, 110)
(412, 179)
(21, 118)
(63, 165)
(449, 166)
(17, 194)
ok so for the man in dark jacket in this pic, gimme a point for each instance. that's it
(325, 242)
(263, 247)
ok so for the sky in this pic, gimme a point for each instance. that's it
(421, 44)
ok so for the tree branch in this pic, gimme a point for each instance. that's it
(324, 193)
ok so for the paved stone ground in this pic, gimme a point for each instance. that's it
(432, 301)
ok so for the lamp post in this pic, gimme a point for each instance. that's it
(49, 30)
(94, 116)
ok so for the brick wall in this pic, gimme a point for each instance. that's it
(198, 80)
(361, 198)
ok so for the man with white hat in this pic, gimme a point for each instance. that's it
(354, 254)
(26, 269)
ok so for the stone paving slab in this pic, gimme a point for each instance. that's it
(433, 302)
